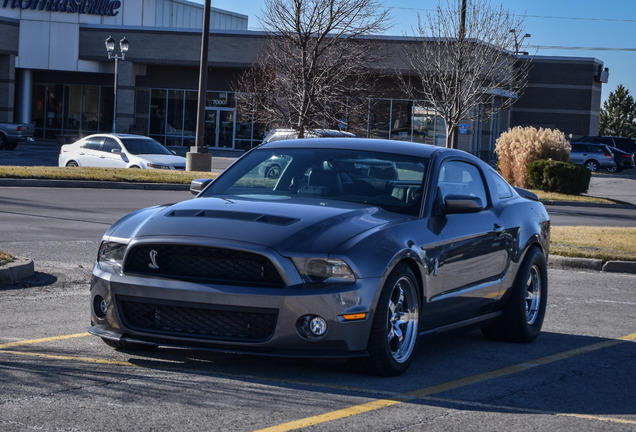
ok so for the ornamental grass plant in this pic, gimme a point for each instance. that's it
(519, 146)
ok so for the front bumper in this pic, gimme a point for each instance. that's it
(267, 321)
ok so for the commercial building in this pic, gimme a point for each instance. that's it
(55, 73)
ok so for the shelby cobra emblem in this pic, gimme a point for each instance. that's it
(153, 260)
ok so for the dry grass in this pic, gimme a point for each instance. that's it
(103, 174)
(5, 258)
(553, 196)
(606, 243)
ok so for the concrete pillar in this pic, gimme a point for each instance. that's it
(196, 161)
(25, 96)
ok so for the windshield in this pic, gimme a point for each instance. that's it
(393, 182)
(144, 146)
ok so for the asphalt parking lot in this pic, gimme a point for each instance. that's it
(578, 375)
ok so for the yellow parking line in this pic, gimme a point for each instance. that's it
(61, 357)
(42, 340)
(424, 393)
(383, 403)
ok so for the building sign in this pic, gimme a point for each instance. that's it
(82, 7)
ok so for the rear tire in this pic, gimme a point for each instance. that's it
(525, 309)
(592, 165)
(394, 331)
(129, 346)
(72, 164)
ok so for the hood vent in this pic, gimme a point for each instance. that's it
(223, 214)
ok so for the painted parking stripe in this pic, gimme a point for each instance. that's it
(379, 403)
(73, 358)
(422, 393)
(43, 340)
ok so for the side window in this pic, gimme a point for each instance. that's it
(577, 147)
(93, 144)
(461, 178)
(110, 145)
(503, 188)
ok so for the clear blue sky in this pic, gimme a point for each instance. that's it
(602, 29)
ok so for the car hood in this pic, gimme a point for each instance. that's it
(297, 225)
(160, 159)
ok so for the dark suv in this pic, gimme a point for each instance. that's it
(625, 144)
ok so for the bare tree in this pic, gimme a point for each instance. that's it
(314, 65)
(465, 56)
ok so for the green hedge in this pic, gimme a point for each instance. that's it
(561, 177)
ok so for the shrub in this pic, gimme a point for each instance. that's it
(519, 146)
(561, 177)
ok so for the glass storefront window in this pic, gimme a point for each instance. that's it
(401, 116)
(190, 117)
(74, 110)
(37, 107)
(379, 118)
(91, 112)
(174, 118)
(158, 115)
(105, 109)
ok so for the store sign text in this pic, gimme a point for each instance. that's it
(87, 7)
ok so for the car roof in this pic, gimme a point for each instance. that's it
(367, 144)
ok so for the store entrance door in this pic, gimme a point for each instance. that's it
(219, 127)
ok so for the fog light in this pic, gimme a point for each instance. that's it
(100, 307)
(311, 326)
(317, 326)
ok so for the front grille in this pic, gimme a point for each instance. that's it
(203, 264)
(193, 321)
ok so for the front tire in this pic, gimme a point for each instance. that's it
(394, 331)
(525, 310)
(3, 141)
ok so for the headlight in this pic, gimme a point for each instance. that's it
(111, 253)
(324, 270)
(157, 166)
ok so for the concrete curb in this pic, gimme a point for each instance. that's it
(17, 270)
(588, 204)
(561, 262)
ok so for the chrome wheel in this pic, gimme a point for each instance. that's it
(402, 320)
(393, 337)
(524, 310)
(533, 295)
(592, 165)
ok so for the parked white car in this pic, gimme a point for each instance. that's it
(119, 151)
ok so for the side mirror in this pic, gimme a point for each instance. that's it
(462, 204)
(116, 151)
(198, 185)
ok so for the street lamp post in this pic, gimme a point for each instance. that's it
(110, 48)
(518, 42)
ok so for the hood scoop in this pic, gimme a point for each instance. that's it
(233, 215)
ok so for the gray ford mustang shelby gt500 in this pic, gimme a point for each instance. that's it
(357, 248)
